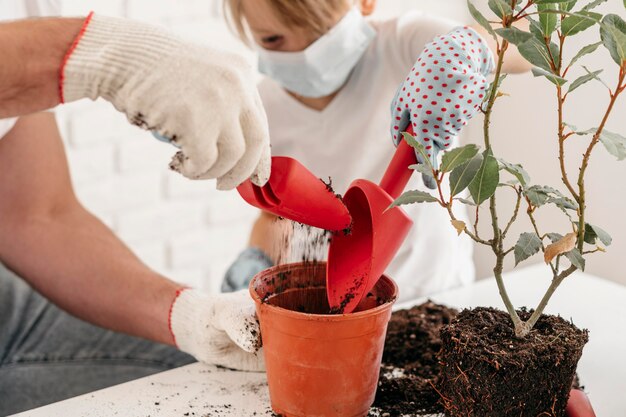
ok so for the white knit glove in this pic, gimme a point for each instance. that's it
(218, 329)
(205, 101)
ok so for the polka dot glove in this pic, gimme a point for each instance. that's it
(442, 92)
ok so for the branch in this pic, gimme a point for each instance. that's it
(515, 211)
(585, 162)
(534, 223)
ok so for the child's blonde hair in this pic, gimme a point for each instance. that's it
(312, 15)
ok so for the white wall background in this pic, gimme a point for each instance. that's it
(191, 233)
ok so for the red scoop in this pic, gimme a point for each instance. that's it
(357, 260)
(293, 192)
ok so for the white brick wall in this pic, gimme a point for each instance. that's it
(183, 229)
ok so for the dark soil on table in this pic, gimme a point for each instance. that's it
(411, 348)
(488, 372)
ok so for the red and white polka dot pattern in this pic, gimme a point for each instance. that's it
(443, 91)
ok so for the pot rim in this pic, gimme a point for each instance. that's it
(318, 317)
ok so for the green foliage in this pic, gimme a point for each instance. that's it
(514, 35)
(482, 20)
(419, 148)
(584, 51)
(527, 245)
(593, 5)
(462, 176)
(614, 143)
(555, 79)
(536, 195)
(422, 169)
(413, 196)
(583, 79)
(613, 35)
(500, 7)
(486, 180)
(458, 156)
(537, 53)
(465, 201)
(579, 22)
(547, 21)
(516, 170)
(594, 233)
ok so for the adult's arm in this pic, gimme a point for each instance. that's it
(63, 251)
(49, 239)
(202, 99)
(32, 54)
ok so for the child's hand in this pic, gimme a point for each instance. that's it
(443, 91)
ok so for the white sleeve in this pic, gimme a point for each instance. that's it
(414, 30)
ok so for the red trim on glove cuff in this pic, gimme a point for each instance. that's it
(169, 316)
(69, 52)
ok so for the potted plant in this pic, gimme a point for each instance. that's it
(522, 362)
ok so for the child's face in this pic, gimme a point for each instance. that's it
(270, 33)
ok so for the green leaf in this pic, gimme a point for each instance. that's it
(482, 20)
(569, 5)
(463, 175)
(555, 79)
(535, 29)
(593, 4)
(580, 21)
(614, 143)
(537, 53)
(527, 245)
(456, 157)
(500, 7)
(418, 147)
(547, 21)
(514, 35)
(584, 51)
(516, 170)
(563, 203)
(554, 237)
(422, 169)
(537, 195)
(613, 35)
(552, 1)
(464, 201)
(576, 258)
(594, 232)
(413, 196)
(583, 79)
(486, 180)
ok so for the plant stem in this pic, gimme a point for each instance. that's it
(518, 324)
(515, 211)
(585, 161)
(556, 281)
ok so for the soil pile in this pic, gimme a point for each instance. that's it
(410, 366)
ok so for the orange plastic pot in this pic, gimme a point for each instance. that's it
(319, 364)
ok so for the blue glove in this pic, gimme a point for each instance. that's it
(444, 89)
(249, 263)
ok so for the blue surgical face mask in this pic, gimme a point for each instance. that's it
(325, 65)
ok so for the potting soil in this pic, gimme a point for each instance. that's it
(410, 368)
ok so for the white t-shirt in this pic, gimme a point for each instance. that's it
(20, 9)
(350, 139)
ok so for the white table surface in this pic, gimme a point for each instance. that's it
(201, 390)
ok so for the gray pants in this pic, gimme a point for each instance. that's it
(47, 355)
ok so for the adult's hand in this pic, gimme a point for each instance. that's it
(218, 329)
(204, 100)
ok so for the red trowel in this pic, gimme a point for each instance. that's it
(357, 260)
(293, 192)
